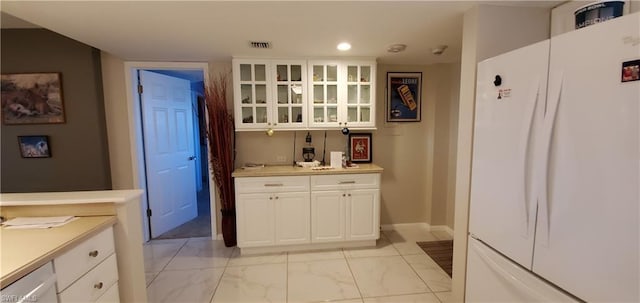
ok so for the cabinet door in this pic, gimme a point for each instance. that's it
(327, 216)
(255, 220)
(293, 222)
(360, 99)
(251, 94)
(324, 93)
(290, 94)
(363, 214)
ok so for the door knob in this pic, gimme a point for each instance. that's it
(192, 158)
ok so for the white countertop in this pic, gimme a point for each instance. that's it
(288, 170)
(74, 197)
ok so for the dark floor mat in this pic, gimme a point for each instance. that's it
(441, 252)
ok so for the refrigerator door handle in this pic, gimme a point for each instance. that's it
(509, 276)
(524, 148)
(543, 199)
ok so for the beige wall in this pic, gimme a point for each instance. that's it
(487, 31)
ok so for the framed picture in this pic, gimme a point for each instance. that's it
(34, 98)
(403, 97)
(360, 147)
(34, 146)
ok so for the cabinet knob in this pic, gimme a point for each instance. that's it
(339, 123)
(344, 195)
(270, 198)
(98, 285)
(274, 124)
(269, 123)
(277, 197)
(349, 195)
(93, 253)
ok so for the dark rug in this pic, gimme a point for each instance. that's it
(441, 252)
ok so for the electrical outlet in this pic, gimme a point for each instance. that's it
(281, 159)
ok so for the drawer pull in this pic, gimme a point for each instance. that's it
(93, 253)
(98, 285)
(344, 195)
(273, 184)
(347, 182)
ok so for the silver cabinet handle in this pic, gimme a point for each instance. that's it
(347, 182)
(93, 253)
(98, 285)
(273, 184)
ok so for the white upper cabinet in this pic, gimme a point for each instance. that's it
(269, 94)
(342, 93)
(301, 94)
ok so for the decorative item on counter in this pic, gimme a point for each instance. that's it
(253, 166)
(221, 135)
(360, 147)
(597, 12)
(269, 132)
(336, 159)
(306, 164)
(308, 152)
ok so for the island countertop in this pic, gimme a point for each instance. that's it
(288, 170)
(24, 250)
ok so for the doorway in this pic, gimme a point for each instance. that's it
(167, 109)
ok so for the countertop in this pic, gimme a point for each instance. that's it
(24, 250)
(288, 170)
(76, 197)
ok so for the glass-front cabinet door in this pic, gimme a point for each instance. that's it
(252, 95)
(360, 90)
(290, 94)
(324, 94)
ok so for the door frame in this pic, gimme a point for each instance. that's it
(138, 171)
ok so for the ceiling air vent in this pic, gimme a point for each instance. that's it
(257, 44)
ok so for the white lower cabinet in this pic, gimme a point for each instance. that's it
(89, 271)
(307, 210)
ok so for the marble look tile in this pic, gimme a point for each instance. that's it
(348, 301)
(417, 298)
(168, 241)
(238, 260)
(442, 235)
(445, 297)
(201, 253)
(385, 276)
(320, 281)
(255, 283)
(193, 286)
(158, 254)
(148, 277)
(430, 272)
(307, 256)
(383, 248)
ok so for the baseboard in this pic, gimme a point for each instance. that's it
(387, 227)
(444, 228)
(219, 237)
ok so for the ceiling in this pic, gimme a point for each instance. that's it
(205, 31)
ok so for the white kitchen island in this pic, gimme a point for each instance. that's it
(286, 208)
(122, 205)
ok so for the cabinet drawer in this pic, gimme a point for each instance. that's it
(272, 184)
(345, 181)
(94, 284)
(80, 259)
(112, 295)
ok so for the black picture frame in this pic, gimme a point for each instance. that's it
(404, 97)
(360, 148)
(34, 146)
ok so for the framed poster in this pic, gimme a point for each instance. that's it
(34, 146)
(34, 98)
(403, 97)
(360, 147)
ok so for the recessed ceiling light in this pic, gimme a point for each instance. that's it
(344, 46)
(396, 48)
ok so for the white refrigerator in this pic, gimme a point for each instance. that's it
(555, 183)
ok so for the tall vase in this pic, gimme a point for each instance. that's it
(229, 227)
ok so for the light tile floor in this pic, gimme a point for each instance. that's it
(202, 270)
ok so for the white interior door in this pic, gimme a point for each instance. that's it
(503, 201)
(588, 227)
(169, 151)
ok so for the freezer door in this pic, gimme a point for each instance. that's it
(494, 278)
(503, 204)
(587, 231)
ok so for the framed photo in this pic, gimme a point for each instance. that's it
(403, 97)
(34, 146)
(360, 147)
(34, 98)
